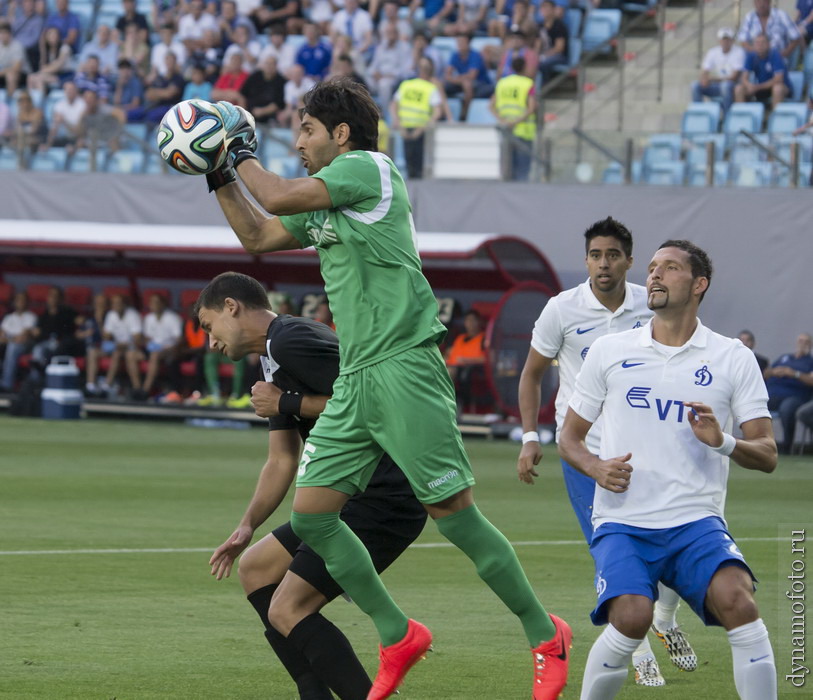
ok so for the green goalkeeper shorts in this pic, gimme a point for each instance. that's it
(405, 406)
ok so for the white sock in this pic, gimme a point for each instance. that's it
(606, 668)
(666, 608)
(754, 667)
(643, 651)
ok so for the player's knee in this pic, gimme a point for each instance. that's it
(735, 606)
(282, 614)
(631, 615)
(249, 565)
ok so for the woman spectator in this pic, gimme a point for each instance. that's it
(30, 126)
(55, 62)
(135, 50)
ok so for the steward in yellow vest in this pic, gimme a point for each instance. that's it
(512, 104)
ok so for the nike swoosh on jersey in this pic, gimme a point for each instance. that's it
(582, 331)
(626, 364)
(753, 661)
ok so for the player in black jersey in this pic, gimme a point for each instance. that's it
(286, 581)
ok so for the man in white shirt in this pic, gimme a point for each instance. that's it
(280, 49)
(567, 327)
(295, 88)
(67, 118)
(194, 24)
(356, 23)
(16, 334)
(663, 392)
(121, 330)
(774, 23)
(169, 44)
(721, 70)
(162, 332)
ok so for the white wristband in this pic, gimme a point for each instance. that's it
(727, 446)
(530, 436)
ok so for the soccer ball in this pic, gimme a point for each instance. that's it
(191, 137)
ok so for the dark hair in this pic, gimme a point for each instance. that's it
(344, 101)
(613, 229)
(430, 61)
(518, 64)
(745, 331)
(124, 63)
(698, 258)
(475, 313)
(5, 26)
(345, 57)
(234, 285)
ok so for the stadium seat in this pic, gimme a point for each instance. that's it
(638, 7)
(574, 54)
(782, 144)
(744, 151)
(6, 294)
(701, 118)
(295, 40)
(573, 22)
(782, 175)
(455, 107)
(8, 160)
(486, 309)
(446, 46)
(696, 154)
(743, 116)
(134, 137)
(600, 26)
(665, 173)
(124, 162)
(52, 160)
(189, 297)
(697, 174)
(796, 78)
(478, 43)
(786, 117)
(479, 113)
(146, 294)
(614, 173)
(661, 148)
(753, 174)
(81, 161)
(113, 289)
(37, 294)
(78, 296)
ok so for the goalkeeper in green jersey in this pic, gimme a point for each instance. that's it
(393, 392)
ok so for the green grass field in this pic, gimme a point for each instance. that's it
(77, 621)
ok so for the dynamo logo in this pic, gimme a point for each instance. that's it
(601, 585)
(584, 352)
(637, 396)
(703, 375)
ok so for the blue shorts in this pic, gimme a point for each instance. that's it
(581, 489)
(631, 561)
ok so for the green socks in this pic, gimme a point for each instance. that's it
(349, 563)
(498, 566)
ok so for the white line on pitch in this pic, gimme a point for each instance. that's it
(195, 550)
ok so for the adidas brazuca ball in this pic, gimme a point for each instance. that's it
(191, 137)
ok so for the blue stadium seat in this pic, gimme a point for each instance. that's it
(745, 116)
(661, 148)
(573, 22)
(446, 46)
(701, 118)
(797, 83)
(574, 54)
(697, 149)
(754, 174)
(152, 164)
(665, 173)
(124, 162)
(479, 113)
(79, 162)
(455, 107)
(478, 43)
(139, 134)
(745, 151)
(782, 144)
(614, 174)
(8, 160)
(786, 117)
(639, 7)
(783, 176)
(52, 160)
(599, 26)
(697, 174)
(295, 40)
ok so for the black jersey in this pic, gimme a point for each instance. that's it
(302, 355)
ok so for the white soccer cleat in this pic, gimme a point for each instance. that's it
(678, 647)
(647, 673)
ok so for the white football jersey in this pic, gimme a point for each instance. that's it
(568, 326)
(638, 387)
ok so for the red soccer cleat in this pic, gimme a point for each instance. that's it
(551, 659)
(396, 659)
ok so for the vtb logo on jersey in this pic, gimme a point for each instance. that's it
(703, 375)
(638, 397)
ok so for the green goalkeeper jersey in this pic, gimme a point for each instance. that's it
(381, 302)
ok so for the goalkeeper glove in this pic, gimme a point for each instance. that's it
(224, 175)
(241, 141)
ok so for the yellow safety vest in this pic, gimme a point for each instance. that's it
(414, 109)
(512, 101)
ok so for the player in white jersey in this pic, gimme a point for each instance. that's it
(566, 328)
(663, 391)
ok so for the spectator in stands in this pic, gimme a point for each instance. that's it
(131, 16)
(804, 20)
(343, 67)
(128, 93)
(390, 14)
(169, 43)
(162, 93)
(471, 18)
(287, 13)
(211, 369)
(55, 60)
(193, 24)
(787, 390)
(55, 333)
(67, 115)
(466, 355)
(415, 108)
(324, 314)
(101, 124)
(67, 23)
(27, 24)
(16, 335)
(13, 60)
(90, 326)
(466, 74)
(295, 88)
(165, 12)
(747, 339)
(210, 55)
(390, 63)
(192, 348)
(314, 55)
(278, 48)
(6, 124)
(264, 92)
(770, 73)
(91, 78)
(136, 50)
(436, 14)
(121, 330)
(229, 19)
(104, 48)
(514, 105)
(227, 86)
(355, 23)
(720, 71)
(514, 16)
(804, 414)
(553, 39)
(774, 23)
(161, 335)
(421, 46)
(29, 126)
(198, 86)
(517, 45)
(250, 48)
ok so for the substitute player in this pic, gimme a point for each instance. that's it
(300, 360)
(663, 391)
(393, 392)
(566, 328)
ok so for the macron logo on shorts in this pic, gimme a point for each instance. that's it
(448, 476)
